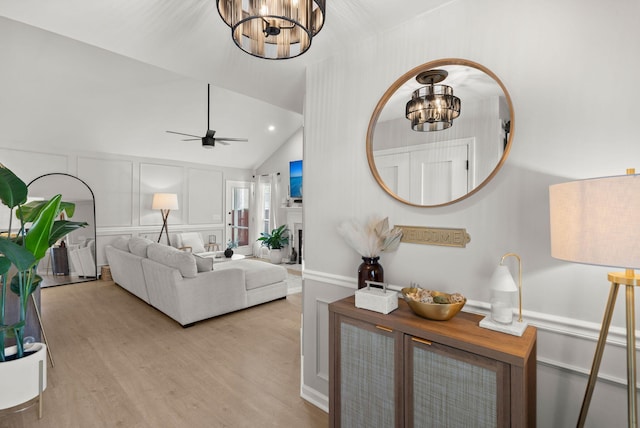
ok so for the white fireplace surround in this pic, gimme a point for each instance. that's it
(294, 224)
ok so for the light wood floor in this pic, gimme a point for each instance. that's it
(121, 363)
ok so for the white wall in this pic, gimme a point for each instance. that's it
(279, 162)
(570, 69)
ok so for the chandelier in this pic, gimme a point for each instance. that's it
(273, 29)
(432, 107)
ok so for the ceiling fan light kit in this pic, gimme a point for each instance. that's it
(273, 29)
(209, 139)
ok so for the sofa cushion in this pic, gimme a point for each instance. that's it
(258, 273)
(138, 246)
(193, 240)
(121, 243)
(203, 264)
(172, 257)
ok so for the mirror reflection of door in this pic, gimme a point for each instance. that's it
(238, 214)
(428, 174)
(73, 259)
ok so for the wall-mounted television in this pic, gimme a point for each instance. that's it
(295, 180)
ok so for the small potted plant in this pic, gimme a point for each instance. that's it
(39, 229)
(230, 246)
(275, 241)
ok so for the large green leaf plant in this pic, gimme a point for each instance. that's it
(277, 239)
(40, 228)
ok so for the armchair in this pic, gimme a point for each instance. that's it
(83, 259)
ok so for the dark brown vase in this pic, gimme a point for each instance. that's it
(370, 270)
(228, 252)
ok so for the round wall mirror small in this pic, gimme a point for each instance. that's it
(440, 133)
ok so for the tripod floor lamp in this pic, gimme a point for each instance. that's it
(165, 202)
(597, 222)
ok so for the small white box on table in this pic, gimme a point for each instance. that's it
(376, 299)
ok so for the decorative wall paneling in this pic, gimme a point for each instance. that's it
(156, 178)
(112, 182)
(205, 202)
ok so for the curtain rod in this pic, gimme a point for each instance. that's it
(265, 175)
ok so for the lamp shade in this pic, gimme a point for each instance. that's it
(597, 221)
(501, 280)
(165, 201)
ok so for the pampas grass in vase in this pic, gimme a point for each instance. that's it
(369, 239)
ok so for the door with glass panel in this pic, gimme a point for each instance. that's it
(238, 216)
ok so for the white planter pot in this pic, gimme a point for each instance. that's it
(275, 256)
(21, 379)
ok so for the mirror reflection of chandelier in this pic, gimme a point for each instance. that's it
(432, 107)
(273, 29)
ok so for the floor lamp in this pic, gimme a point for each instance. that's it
(164, 202)
(597, 222)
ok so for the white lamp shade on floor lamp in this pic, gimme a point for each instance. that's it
(165, 201)
(597, 221)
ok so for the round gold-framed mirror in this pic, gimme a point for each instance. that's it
(440, 132)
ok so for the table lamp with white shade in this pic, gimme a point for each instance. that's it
(165, 202)
(597, 222)
(503, 294)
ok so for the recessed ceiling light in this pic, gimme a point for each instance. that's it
(272, 128)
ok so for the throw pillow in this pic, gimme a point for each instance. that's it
(204, 264)
(121, 243)
(174, 258)
(138, 246)
(193, 240)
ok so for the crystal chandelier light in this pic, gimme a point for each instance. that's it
(432, 107)
(273, 29)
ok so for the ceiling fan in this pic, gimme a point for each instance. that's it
(209, 140)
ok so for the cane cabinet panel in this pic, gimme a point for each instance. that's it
(404, 371)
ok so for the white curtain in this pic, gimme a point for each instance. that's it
(274, 178)
(259, 199)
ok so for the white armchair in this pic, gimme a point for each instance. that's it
(83, 259)
(192, 241)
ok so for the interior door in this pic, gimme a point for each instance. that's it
(437, 178)
(238, 203)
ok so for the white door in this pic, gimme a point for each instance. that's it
(439, 176)
(238, 203)
(395, 171)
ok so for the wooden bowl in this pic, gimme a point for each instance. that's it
(432, 311)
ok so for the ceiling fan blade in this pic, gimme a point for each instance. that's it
(192, 139)
(231, 139)
(180, 133)
(224, 143)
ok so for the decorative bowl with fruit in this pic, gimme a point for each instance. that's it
(433, 305)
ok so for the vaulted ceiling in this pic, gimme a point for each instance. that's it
(114, 76)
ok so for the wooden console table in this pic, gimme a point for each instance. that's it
(405, 371)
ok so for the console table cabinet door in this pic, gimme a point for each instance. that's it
(368, 360)
(447, 387)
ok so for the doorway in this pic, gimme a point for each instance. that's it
(238, 203)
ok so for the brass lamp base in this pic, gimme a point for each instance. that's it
(629, 279)
(516, 328)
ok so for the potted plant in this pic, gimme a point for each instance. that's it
(20, 252)
(275, 241)
(230, 246)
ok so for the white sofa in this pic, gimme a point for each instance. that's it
(189, 288)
